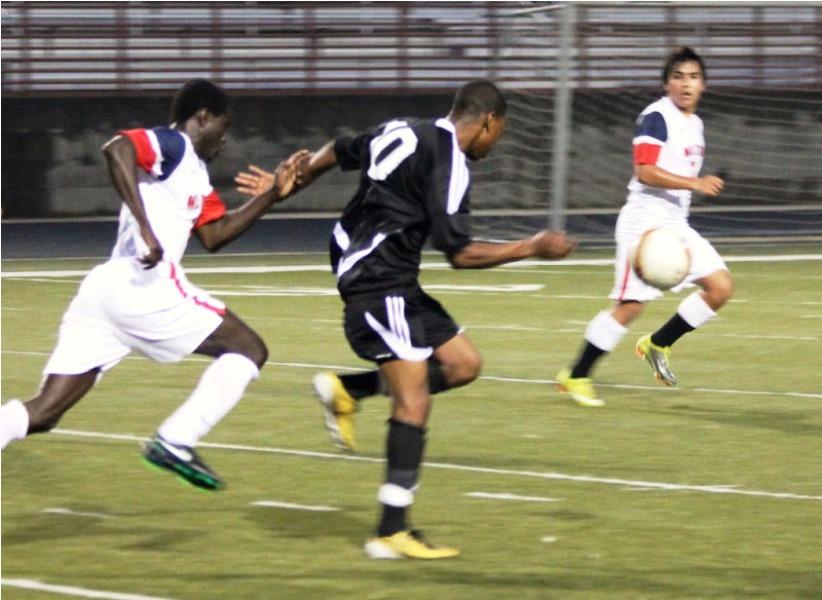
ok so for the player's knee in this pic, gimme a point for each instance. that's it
(469, 369)
(722, 290)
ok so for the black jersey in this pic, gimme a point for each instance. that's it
(414, 186)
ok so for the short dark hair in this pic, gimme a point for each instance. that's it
(477, 98)
(681, 55)
(197, 94)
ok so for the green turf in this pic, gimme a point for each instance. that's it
(738, 419)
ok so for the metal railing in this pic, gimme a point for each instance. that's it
(126, 48)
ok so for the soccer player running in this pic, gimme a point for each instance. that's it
(140, 299)
(669, 147)
(414, 187)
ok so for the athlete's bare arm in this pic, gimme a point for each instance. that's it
(216, 234)
(481, 255)
(122, 168)
(709, 185)
(311, 165)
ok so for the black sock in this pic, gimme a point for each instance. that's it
(674, 329)
(404, 448)
(436, 378)
(360, 385)
(587, 357)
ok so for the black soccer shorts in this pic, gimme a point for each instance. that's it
(406, 325)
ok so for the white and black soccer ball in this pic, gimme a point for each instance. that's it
(661, 258)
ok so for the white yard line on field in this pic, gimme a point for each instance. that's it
(708, 489)
(292, 506)
(516, 497)
(75, 513)
(66, 590)
(658, 388)
(426, 265)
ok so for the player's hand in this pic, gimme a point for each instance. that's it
(285, 175)
(709, 185)
(552, 244)
(257, 182)
(154, 250)
(304, 174)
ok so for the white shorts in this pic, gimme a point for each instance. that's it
(121, 307)
(633, 221)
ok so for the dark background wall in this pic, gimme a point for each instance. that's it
(52, 164)
(767, 144)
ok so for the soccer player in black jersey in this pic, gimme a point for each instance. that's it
(414, 188)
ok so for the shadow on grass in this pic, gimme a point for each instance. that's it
(48, 527)
(456, 579)
(792, 422)
(311, 524)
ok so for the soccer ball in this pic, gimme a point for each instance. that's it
(661, 258)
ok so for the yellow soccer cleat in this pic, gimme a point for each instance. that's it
(407, 544)
(580, 388)
(657, 357)
(339, 408)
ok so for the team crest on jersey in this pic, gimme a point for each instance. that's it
(195, 202)
(695, 150)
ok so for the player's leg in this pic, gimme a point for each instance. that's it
(607, 328)
(239, 354)
(86, 347)
(710, 273)
(455, 362)
(42, 412)
(602, 335)
(405, 445)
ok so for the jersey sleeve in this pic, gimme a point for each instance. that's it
(447, 200)
(213, 209)
(352, 151)
(650, 135)
(159, 151)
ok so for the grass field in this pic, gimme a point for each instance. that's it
(710, 490)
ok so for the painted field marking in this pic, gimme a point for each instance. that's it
(626, 386)
(493, 496)
(66, 590)
(75, 513)
(708, 489)
(291, 506)
(549, 539)
(800, 338)
(425, 265)
(502, 287)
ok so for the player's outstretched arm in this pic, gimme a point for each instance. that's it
(481, 255)
(311, 165)
(216, 234)
(122, 168)
(709, 185)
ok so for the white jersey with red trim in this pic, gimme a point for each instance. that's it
(174, 185)
(673, 141)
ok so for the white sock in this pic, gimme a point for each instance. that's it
(695, 311)
(220, 388)
(14, 422)
(605, 332)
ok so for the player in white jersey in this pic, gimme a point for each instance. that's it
(668, 148)
(140, 298)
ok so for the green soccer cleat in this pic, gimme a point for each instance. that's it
(338, 408)
(580, 388)
(407, 544)
(657, 357)
(182, 461)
